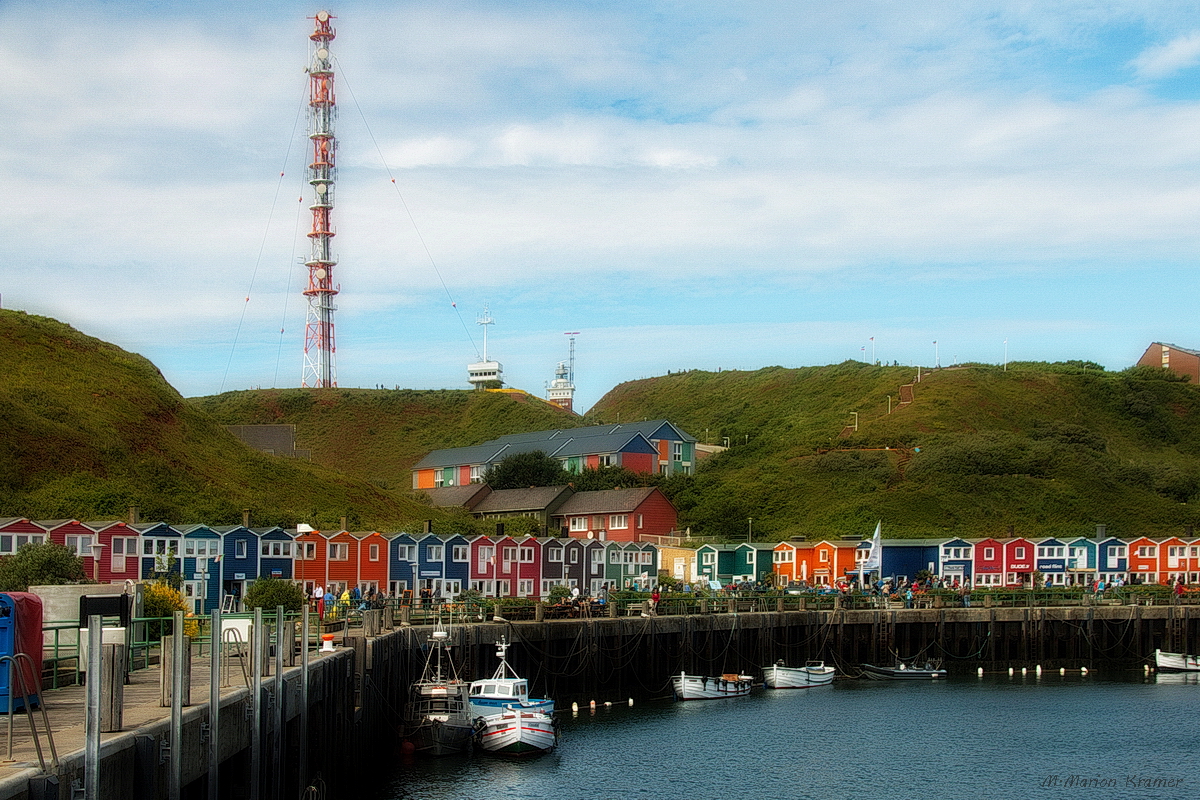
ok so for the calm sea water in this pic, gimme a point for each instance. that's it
(979, 739)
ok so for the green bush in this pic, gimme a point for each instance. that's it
(268, 593)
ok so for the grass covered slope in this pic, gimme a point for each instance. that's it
(89, 429)
(378, 434)
(1045, 448)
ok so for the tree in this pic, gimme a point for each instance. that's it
(47, 564)
(268, 593)
(522, 470)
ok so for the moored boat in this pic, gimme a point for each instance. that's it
(698, 687)
(902, 672)
(1176, 662)
(438, 719)
(516, 732)
(504, 690)
(814, 673)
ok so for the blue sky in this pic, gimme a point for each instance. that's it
(688, 185)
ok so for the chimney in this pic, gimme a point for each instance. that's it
(134, 515)
(1101, 531)
(499, 528)
(1189, 531)
(427, 527)
(343, 523)
(245, 518)
(1012, 531)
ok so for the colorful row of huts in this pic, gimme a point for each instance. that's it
(991, 562)
(218, 562)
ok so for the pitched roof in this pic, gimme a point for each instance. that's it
(1177, 347)
(560, 443)
(465, 496)
(536, 498)
(606, 501)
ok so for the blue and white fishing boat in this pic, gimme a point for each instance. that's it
(505, 690)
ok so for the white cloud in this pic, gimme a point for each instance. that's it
(1163, 60)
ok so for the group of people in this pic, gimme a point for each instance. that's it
(328, 605)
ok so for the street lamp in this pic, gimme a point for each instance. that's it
(855, 413)
(750, 529)
(97, 549)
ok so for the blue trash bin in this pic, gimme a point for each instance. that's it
(20, 632)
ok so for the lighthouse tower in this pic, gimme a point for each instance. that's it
(561, 391)
(319, 348)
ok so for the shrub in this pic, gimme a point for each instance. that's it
(47, 564)
(269, 593)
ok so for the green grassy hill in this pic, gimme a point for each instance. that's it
(378, 434)
(1044, 448)
(89, 430)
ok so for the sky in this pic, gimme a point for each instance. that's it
(688, 185)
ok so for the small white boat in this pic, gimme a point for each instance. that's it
(1176, 662)
(516, 732)
(698, 687)
(814, 673)
(504, 690)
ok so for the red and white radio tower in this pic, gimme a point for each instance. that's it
(322, 110)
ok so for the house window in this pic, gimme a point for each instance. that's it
(503, 588)
(989, 554)
(647, 557)
(574, 559)
(263, 549)
(509, 555)
(639, 521)
(824, 556)
(373, 552)
(306, 551)
(436, 552)
(554, 554)
(339, 551)
(526, 555)
(1018, 552)
(241, 548)
(708, 558)
(460, 552)
(486, 556)
(82, 545)
(579, 523)
(607, 460)
(677, 451)
(439, 479)
(618, 522)
(406, 552)
(597, 556)
(476, 474)
(614, 557)
(1144, 552)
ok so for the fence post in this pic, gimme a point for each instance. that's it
(112, 703)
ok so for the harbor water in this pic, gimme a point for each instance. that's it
(990, 738)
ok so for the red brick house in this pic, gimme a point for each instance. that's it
(1179, 360)
(617, 515)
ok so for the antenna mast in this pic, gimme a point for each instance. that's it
(322, 111)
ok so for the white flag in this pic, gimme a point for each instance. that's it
(876, 554)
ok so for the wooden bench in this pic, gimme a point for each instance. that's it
(635, 609)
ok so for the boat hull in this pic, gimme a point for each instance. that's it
(434, 738)
(1176, 662)
(897, 674)
(516, 733)
(698, 687)
(777, 676)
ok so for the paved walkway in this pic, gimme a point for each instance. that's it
(67, 711)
